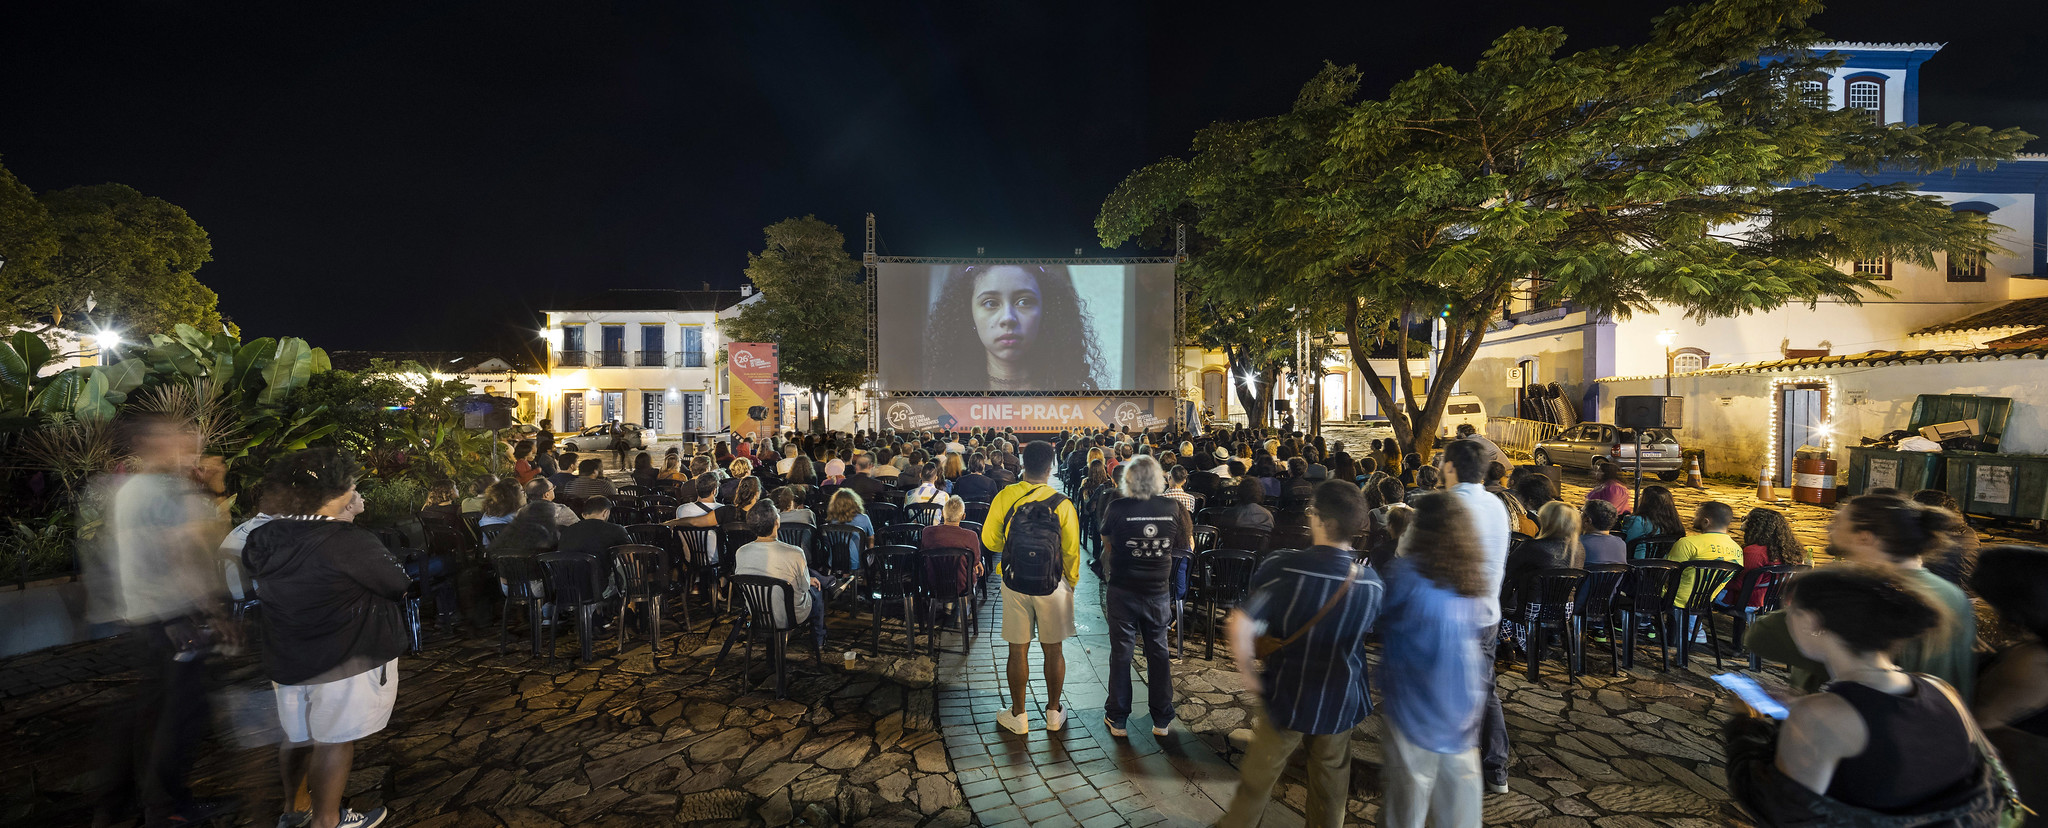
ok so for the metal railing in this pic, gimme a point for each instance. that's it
(612, 359)
(1510, 432)
(651, 359)
(691, 359)
(572, 359)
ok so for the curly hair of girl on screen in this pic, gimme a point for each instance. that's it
(1027, 322)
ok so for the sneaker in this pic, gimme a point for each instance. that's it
(1018, 723)
(1162, 729)
(1054, 718)
(1115, 729)
(362, 819)
(295, 819)
(1497, 787)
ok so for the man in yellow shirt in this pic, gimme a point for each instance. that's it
(1710, 543)
(1039, 576)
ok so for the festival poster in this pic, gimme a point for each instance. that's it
(754, 408)
(1027, 414)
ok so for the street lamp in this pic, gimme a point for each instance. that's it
(1665, 338)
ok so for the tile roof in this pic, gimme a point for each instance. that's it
(445, 362)
(635, 299)
(2021, 313)
(1867, 359)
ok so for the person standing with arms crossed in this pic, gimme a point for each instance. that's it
(1141, 532)
(1038, 534)
(1306, 620)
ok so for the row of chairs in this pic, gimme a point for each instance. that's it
(1640, 592)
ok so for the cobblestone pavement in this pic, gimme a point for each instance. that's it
(483, 739)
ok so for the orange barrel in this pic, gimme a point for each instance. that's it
(1813, 480)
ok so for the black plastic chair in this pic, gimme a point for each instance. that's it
(977, 511)
(640, 579)
(1206, 537)
(523, 581)
(936, 586)
(901, 534)
(1773, 580)
(840, 548)
(440, 588)
(892, 579)
(1255, 541)
(1652, 547)
(489, 534)
(673, 569)
(762, 597)
(1226, 582)
(798, 535)
(1648, 596)
(1553, 596)
(1708, 579)
(1597, 601)
(1210, 516)
(923, 514)
(575, 584)
(883, 513)
(1291, 537)
(705, 558)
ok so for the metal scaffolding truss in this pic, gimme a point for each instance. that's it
(1081, 393)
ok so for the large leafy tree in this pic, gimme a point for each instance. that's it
(812, 305)
(27, 238)
(1620, 179)
(111, 255)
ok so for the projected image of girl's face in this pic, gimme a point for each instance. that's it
(1007, 309)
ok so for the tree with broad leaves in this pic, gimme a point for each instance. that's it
(119, 257)
(813, 306)
(1669, 174)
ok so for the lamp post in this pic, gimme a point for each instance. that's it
(1665, 338)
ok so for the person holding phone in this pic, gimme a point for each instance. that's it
(1877, 743)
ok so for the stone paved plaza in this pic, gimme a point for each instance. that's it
(488, 739)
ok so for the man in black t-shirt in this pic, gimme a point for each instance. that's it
(1141, 533)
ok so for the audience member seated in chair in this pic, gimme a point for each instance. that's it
(589, 481)
(595, 535)
(1556, 545)
(1711, 543)
(1248, 513)
(951, 534)
(1596, 525)
(778, 560)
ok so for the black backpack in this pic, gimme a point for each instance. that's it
(1033, 559)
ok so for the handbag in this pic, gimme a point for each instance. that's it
(1265, 646)
(2012, 813)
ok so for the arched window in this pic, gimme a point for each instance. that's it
(1867, 93)
(1687, 360)
(1966, 266)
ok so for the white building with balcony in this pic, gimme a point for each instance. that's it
(647, 357)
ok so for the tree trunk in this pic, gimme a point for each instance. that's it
(819, 412)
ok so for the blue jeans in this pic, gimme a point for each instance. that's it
(1493, 725)
(1132, 615)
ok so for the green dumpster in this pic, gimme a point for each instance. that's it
(1999, 485)
(1991, 413)
(1883, 468)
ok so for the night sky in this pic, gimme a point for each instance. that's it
(422, 175)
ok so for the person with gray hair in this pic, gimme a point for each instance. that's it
(1142, 532)
(769, 556)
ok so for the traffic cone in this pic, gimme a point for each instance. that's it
(1764, 492)
(1693, 480)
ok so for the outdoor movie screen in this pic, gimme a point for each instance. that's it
(1045, 327)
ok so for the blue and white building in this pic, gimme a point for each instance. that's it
(1931, 308)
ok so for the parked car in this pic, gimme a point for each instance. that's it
(599, 438)
(1583, 446)
(1462, 409)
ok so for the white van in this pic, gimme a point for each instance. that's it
(1462, 408)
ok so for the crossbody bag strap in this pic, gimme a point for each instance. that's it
(1327, 606)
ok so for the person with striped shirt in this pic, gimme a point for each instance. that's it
(1316, 605)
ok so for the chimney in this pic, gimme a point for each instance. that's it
(746, 291)
(707, 285)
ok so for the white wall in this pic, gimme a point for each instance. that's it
(1729, 414)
